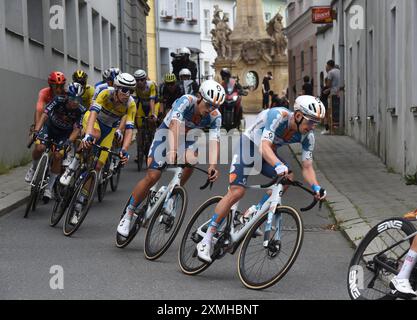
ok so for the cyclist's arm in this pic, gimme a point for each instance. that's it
(274, 118)
(214, 138)
(122, 125)
(173, 135)
(75, 134)
(129, 124)
(309, 173)
(41, 122)
(40, 104)
(91, 120)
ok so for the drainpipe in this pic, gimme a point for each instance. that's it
(157, 49)
(121, 33)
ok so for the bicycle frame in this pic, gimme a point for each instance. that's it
(175, 181)
(270, 206)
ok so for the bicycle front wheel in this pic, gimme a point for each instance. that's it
(78, 208)
(115, 178)
(193, 234)
(369, 280)
(164, 226)
(37, 182)
(270, 248)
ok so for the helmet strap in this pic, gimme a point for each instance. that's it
(298, 123)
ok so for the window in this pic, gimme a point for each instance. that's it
(57, 34)
(83, 18)
(176, 8)
(164, 8)
(106, 42)
(35, 20)
(207, 23)
(113, 35)
(190, 13)
(14, 16)
(70, 28)
(96, 39)
(393, 59)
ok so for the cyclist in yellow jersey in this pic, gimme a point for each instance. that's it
(81, 77)
(108, 109)
(146, 97)
(100, 123)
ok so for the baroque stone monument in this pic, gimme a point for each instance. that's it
(251, 50)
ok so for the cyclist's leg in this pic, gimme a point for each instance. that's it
(37, 153)
(401, 282)
(191, 157)
(269, 171)
(138, 123)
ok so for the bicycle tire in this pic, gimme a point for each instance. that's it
(200, 266)
(115, 178)
(102, 187)
(356, 272)
(251, 236)
(67, 229)
(155, 253)
(59, 208)
(37, 182)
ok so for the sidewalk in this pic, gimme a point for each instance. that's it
(361, 191)
(13, 189)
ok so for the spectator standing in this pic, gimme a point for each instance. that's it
(266, 88)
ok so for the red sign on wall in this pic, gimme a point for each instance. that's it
(322, 15)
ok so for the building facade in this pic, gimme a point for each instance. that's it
(39, 36)
(302, 44)
(177, 26)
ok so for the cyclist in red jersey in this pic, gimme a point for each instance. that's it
(56, 81)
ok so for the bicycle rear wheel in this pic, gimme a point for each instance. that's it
(260, 267)
(164, 227)
(90, 184)
(193, 234)
(369, 280)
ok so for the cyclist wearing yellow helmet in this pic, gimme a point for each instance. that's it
(169, 92)
(81, 77)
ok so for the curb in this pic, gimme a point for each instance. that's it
(13, 201)
(347, 217)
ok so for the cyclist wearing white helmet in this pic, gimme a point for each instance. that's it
(187, 85)
(273, 128)
(188, 112)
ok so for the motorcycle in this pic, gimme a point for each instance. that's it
(231, 109)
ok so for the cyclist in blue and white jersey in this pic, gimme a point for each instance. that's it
(273, 129)
(188, 112)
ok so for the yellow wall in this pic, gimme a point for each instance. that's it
(151, 41)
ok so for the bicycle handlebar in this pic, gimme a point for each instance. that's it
(187, 165)
(287, 182)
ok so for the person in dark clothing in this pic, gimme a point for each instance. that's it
(266, 87)
(307, 89)
(182, 61)
(169, 91)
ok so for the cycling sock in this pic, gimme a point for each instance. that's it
(212, 229)
(409, 262)
(51, 181)
(262, 202)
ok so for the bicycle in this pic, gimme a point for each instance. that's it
(159, 215)
(273, 234)
(110, 172)
(88, 177)
(146, 135)
(378, 258)
(41, 175)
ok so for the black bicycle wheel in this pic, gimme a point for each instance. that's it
(368, 280)
(58, 210)
(164, 227)
(260, 267)
(102, 186)
(122, 242)
(70, 227)
(115, 178)
(31, 200)
(37, 185)
(193, 234)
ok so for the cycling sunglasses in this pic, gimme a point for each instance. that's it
(311, 122)
(127, 90)
(57, 86)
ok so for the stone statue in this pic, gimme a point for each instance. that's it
(221, 34)
(274, 30)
